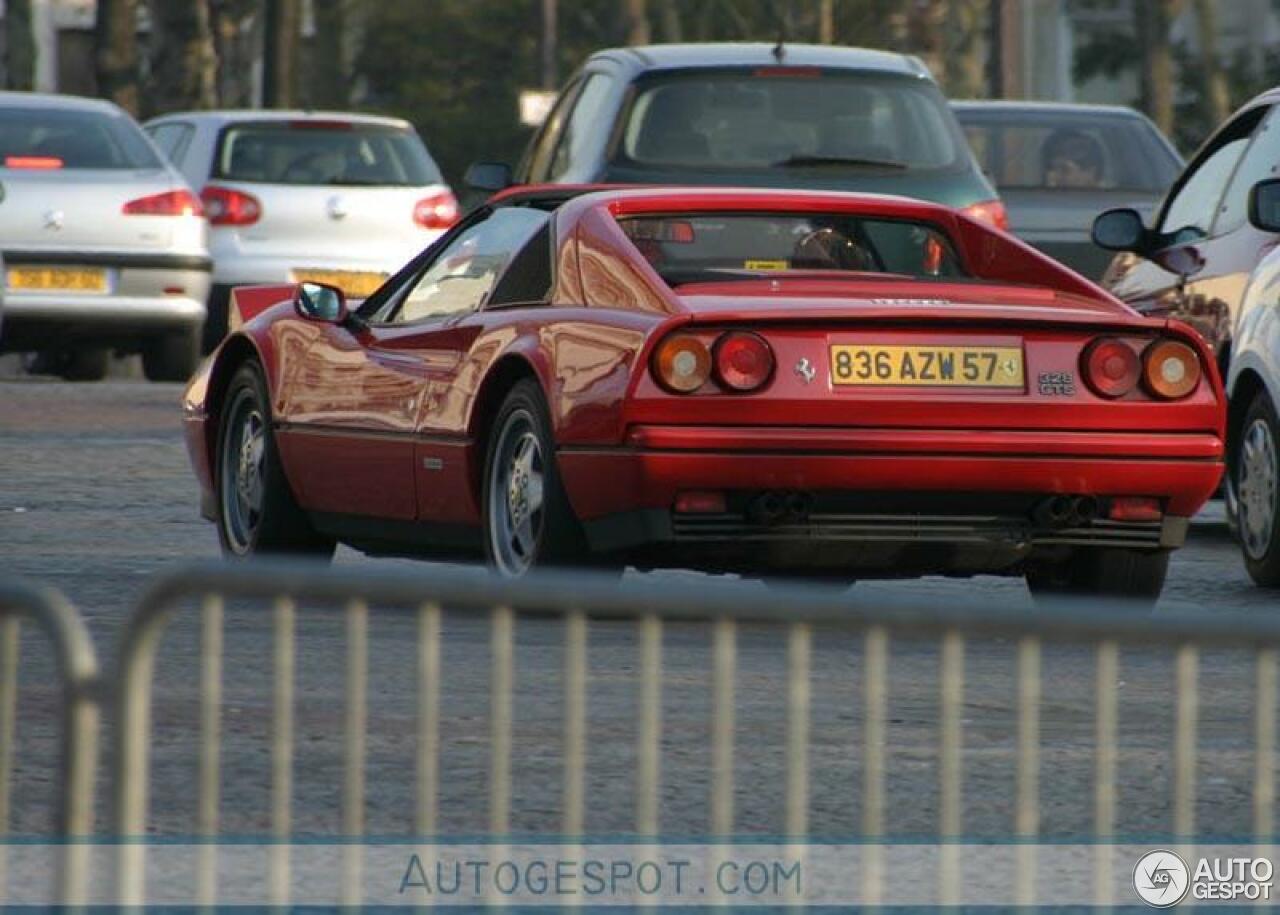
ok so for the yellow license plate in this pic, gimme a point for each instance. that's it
(72, 279)
(354, 284)
(932, 366)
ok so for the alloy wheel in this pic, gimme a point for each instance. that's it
(243, 466)
(1256, 488)
(516, 496)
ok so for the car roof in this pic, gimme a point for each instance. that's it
(241, 115)
(1020, 105)
(762, 54)
(52, 100)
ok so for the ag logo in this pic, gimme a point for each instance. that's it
(1161, 878)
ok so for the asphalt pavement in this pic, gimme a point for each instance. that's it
(96, 497)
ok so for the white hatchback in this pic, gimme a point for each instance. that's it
(329, 197)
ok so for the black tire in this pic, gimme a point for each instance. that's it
(277, 524)
(86, 363)
(1135, 576)
(173, 357)
(1255, 476)
(522, 430)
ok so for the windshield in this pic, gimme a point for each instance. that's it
(691, 248)
(1027, 149)
(795, 117)
(53, 138)
(324, 152)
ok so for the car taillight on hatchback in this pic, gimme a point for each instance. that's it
(992, 212)
(439, 211)
(169, 203)
(228, 207)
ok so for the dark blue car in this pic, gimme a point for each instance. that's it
(789, 116)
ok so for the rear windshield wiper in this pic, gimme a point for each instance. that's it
(850, 161)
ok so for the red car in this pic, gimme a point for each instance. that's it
(757, 381)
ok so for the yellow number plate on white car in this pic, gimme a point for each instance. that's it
(932, 366)
(354, 284)
(63, 279)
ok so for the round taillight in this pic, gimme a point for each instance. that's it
(743, 361)
(1111, 368)
(1170, 369)
(682, 363)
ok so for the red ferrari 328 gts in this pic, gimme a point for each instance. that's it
(757, 381)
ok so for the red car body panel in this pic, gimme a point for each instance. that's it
(389, 422)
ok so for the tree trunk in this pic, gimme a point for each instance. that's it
(1215, 97)
(280, 54)
(549, 40)
(1153, 19)
(116, 52)
(328, 75)
(827, 22)
(637, 23)
(669, 16)
(962, 48)
(20, 47)
(184, 68)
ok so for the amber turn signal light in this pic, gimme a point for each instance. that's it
(1170, 369)
(682, 363)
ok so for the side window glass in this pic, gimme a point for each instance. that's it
(1190, 214)
(583, 123)
(1261, 161)
(461, 277)
(546, 143)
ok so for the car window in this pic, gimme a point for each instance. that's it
(308, 151)
(461, 276)
(777, 116)
(173, 138)
(582, 124)
(1022, 149)
(1260, 161)
(544, 144)
(698, 247)
(1190, 213)
(40, 137)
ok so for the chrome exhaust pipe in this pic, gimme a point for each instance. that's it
(1084, 509)
(799, 506)
(767, 508)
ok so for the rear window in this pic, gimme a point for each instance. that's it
(692, 248)
(322, 152)
(54, 138)
(789, 117)
(1027, 149)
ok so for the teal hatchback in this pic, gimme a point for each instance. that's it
(755, 115)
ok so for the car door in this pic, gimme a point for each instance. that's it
(354, 428)
(1194, 258)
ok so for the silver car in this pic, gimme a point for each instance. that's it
(104, 244)
(344, 199)
(1057, 166)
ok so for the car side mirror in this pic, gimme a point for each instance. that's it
(488, 176)
(1120, 230)
(1264, 205)
(321, 302)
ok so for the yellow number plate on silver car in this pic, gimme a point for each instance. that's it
(928, 366)
(63, 279)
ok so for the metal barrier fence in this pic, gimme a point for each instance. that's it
(579, 603)
(78, 674)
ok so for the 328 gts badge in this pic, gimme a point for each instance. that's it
(1057, 384)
